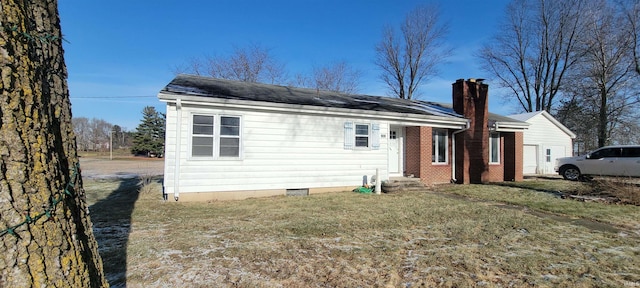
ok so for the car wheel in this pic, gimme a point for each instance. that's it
(571, 173)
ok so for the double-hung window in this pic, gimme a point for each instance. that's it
(202, 139)
(362, 135)
(229, 136)
(439, 146)
(215, 136)
(494, 148)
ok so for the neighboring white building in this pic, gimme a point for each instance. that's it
(544, 142)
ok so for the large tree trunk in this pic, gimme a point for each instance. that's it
(603, 119)
(46, 237)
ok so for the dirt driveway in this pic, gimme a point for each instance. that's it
(123, 168)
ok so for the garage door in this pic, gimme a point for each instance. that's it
(530, 160)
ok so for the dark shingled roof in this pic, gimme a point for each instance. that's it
(192, 85)
(237, 90)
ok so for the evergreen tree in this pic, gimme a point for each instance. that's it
(149, 136)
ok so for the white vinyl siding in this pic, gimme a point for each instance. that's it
(494, 148)
(439, 146)
(277, 151)
(545, 135)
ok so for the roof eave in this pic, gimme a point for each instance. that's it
(560, 125)
(502, 126)
(398, 118)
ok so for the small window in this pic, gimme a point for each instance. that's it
(548, 155)
(202, 141)
(392, 134)
(494, 148)
(439, 146)
(362, 135)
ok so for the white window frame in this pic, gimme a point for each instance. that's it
(436, 146)
(494, 135)
(547, 155)
(350, 136)
(220, 136)
(216, 137)
(193, 135)
(368, 135)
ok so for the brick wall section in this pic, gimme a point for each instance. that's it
(418, 157)
(412, 151)
(436, 173)
(472, 146)
(472, 159)
(519, 156)
(496, 171)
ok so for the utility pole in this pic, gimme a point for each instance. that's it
(111, 145)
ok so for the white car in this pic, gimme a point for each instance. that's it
(606, 161)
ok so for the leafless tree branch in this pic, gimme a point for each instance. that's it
(409, 59)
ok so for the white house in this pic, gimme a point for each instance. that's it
(232, 140)
(544, 142)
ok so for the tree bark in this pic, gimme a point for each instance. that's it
(46, 235)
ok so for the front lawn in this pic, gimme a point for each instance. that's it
(474, 235)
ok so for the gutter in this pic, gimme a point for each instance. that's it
(453, 154)
(176, 172)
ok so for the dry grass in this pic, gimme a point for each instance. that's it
(354, 240)
(622, 190)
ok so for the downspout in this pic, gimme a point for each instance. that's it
(176, 171)
(453, 154)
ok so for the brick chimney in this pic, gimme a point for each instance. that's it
(472, 145)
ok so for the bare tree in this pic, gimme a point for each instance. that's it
(603, 81)
(631, 12)
(253, 63)
(46, 235)
(337, 77)
(412, 57)
(534, 49)
(81, 128)
(92, 134)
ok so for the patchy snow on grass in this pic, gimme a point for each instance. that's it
(335, 241)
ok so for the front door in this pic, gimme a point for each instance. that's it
(395, 150)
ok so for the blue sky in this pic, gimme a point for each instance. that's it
(120, 54)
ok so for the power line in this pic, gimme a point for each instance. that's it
(112, 97)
